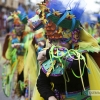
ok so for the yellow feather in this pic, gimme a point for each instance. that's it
(56, 13)
(60, 30)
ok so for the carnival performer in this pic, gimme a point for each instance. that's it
(19, 50)
(68, 71)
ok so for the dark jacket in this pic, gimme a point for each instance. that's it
(75, 84)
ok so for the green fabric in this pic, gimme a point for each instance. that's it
(8, 52)
(88, 49)
(98, 39)
(25, 21)
(57, 69)
(22, 85)
(23, 18)
(5, 80)
(26, 40)
(66, 23)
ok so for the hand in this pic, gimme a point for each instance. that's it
(41, 44)
(52, 98)
(41, 56)
(16, 45)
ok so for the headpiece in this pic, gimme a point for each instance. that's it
(19, 18)
(62, 21)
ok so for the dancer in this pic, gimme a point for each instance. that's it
(67, 67)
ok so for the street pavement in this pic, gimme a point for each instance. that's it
(2, 96)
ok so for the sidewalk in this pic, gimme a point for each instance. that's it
(2, 38)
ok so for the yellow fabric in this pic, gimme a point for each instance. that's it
(88, 47)
(36, 95)
(94, 76)
(14, 64)
(30, 67)
(85, 36)
(20, 64)
(8, 52)
(27, 28)
(88, 41)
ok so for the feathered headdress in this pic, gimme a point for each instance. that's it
(19, 18)
(16, 18)
(62, 21)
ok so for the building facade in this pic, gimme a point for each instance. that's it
(13, 3)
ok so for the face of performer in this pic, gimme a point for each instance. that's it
(19, 29)
(14, 36)
(22, 27)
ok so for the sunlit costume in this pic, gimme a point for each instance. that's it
(67, 74)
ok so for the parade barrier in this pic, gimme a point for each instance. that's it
(12, 4)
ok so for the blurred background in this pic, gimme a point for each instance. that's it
(8, 6)
(29, 6)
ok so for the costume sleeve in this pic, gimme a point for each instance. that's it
(44, 86)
